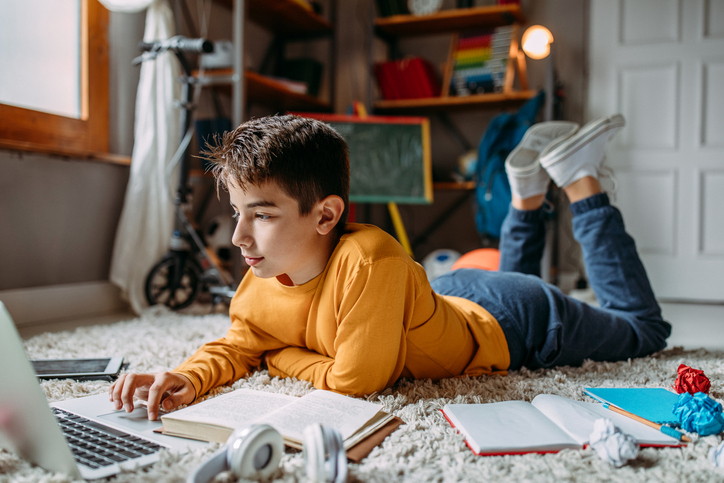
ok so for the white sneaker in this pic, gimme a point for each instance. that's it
(525, 174)
(582, 154)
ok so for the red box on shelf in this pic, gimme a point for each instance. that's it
(409, 78)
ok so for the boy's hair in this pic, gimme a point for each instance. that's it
(305, 157)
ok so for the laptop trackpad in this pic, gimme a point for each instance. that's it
(136, 421)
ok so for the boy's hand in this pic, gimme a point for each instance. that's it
(165, 389)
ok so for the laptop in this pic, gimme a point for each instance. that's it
(84, 437)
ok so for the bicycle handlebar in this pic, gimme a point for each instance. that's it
(179, 44)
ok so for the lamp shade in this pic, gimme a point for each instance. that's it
(537, 42)
(126, 6)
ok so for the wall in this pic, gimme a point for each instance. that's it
(59, 215)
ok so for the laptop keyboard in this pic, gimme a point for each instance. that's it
(96, 446)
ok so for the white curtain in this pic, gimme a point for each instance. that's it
(147, 219)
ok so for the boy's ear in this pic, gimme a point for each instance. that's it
(330, 211)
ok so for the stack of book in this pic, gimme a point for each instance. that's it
(479, 61)
(409, 78)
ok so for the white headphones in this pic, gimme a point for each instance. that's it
(255, 452)
(324, 454)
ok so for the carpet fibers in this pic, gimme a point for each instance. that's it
(426, 448)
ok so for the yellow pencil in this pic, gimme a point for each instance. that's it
(663, 428)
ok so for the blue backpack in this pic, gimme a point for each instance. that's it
(492, 191)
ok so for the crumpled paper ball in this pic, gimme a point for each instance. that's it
(699, 414)
(611, 444)
(716, 455)
(691, 380)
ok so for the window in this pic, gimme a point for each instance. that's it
(66, 43)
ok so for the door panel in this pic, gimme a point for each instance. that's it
(661, 64)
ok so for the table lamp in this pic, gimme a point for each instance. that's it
(537, 44)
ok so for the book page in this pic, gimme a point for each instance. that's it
(507, 427)
(232, 410)
(577, 418)
(572, 416)
(343, 413)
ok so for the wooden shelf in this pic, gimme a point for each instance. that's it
(285, 17)
(449, 103)
(454, 185)
(448, 21)
(267, 91)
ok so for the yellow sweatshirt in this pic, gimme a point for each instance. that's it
(369, 318)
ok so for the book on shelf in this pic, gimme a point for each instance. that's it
(479, 60)
(216, 418)
(547, 424)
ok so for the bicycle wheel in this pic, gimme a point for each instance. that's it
(174, 281)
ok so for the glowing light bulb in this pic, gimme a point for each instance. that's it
(537, 42)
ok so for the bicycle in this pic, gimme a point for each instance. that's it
(189, 267)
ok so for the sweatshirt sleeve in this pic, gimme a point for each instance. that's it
(373, 310)
(227, 359)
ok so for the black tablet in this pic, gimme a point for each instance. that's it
(72, 368)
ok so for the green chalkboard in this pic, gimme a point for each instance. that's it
(389, 157)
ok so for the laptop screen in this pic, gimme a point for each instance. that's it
(27, 424)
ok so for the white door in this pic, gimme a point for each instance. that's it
(661, 64)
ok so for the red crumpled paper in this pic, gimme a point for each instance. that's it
(691, 381)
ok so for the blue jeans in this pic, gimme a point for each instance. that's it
(543, 326)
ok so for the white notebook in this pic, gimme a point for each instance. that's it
(549, 423)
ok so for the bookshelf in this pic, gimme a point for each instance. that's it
(287, 17)
(453, 21)
(448, 21)
(452, 103)
(509, 96)
(267, 91)
(288, 20)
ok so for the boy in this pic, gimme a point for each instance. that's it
(344, 307)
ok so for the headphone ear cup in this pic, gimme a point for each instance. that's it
(254, 451)
(314, 451)
(339, 456)
(324, 454)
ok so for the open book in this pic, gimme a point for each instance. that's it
(546, 425)
(216, 418)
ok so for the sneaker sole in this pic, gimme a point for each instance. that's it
(568, 146)
(528, 143)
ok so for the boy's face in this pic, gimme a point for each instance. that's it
(274, 238)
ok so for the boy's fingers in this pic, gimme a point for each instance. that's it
(130, 383)
(182, 395)
(115, 391)
(162, 383)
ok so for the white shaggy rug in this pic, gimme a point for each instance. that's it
(426, 448)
